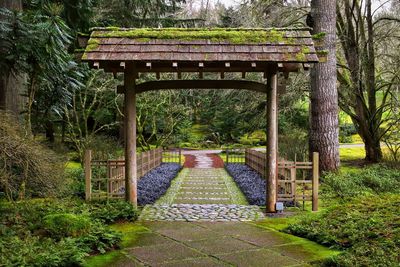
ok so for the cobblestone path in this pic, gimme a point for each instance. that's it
(202, 194)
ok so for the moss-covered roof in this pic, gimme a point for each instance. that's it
(234, 36)
(201, 44)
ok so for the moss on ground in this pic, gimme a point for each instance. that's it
(130, 232)
(313, 251)
(104, 259)
(173, 190)
(237, 195)
(235, 36)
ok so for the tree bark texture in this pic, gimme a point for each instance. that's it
(11, 85)
(324, 123)
(11, 4)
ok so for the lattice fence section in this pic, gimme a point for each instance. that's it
(297, 181)
(256, 160)
(173, 155)
(106, 178)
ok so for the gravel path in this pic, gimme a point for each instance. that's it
(202, 194)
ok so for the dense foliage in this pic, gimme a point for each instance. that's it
(250, 182)
(366, 229)
(58, 232)
(156, 182)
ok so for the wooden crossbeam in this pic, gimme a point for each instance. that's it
(216, 67)
(200, 84)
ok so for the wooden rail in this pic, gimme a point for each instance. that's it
(106, 178)
(296, 181)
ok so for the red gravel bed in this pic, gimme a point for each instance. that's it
(217, 161)
(190, 161)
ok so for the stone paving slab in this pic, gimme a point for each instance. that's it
(213, 244)
(258, 258)
(198, 262)
(221, 245)
(126, 261)
(157, 254)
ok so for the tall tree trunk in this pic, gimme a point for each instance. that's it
(10, 84)
(358, 79)
(11, 4)
(372, 149)
(324, 124)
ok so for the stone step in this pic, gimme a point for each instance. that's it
(205, 188)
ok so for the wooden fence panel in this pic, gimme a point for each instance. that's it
(106, 178)
(296, 181)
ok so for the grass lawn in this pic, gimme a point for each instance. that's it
(72, 165)
(233, 158)
(352, 153)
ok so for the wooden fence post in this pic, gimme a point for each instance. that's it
(227, 156)
(293, 174)
(87, 162)
(109, 176)
(315, 181)
(180, 156)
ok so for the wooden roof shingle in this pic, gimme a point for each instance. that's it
(110, 46)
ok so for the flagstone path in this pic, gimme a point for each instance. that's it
(210, 244)
(205, 220)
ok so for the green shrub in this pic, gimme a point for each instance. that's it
(113, 211)
(294, 145)
(36, 251)
(99, 240)
(51, 232)
(260, 135)
(346, 131)
(75, 183)
(66, 225)
(375, 179)
(367, 229)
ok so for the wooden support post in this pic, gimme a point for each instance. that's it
(180, 156)
(293, 173)
(130, 135)
(272, 137)
(315, 181)
(88, 174)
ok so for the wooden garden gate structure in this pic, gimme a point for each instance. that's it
(136, 51)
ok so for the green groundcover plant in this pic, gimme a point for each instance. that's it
(50, 232)
(375, 179)
(366, 229)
